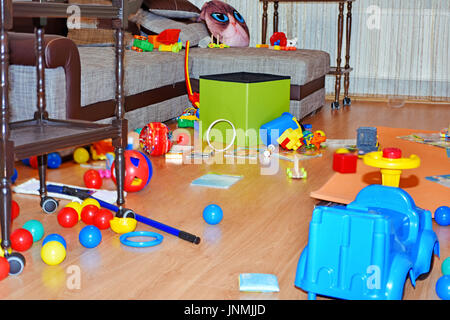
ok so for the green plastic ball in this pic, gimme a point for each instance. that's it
(36, 229)
(445, 267)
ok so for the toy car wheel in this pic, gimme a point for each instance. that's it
(16, 263)
(425, 275)
(49, 205)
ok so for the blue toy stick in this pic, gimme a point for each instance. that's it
(83, 194)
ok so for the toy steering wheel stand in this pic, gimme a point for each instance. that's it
(391, 164)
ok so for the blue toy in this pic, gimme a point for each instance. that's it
(366, 140)
(90, 236)
(54, 160)
(367, 249)
(272, 130)
(124, 239)
(55, 237)
(442, 216)
(212, 214)
(14, 176)
(443, 287)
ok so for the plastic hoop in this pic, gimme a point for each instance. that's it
(209, 130)
(141, 244)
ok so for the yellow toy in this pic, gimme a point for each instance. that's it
(53, 253)
(391, 164)
(291, 139)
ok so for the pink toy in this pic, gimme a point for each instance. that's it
(104, 173)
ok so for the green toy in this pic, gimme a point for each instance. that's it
(243, 102)
(445, 267)
(141, 44)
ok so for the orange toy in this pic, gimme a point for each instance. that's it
(194, 98)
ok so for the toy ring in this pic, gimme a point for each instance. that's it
(209, 130)
(141, 244)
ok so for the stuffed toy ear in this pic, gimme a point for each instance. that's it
(225, 23)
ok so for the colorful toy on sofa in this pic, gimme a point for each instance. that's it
(367, 249)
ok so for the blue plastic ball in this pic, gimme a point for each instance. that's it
(442, 216)
(55, 237)
(90, 236)
(212, 214)
(54, 160)
(443, 287)
(36, 229)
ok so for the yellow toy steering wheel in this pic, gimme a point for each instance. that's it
(391, 164)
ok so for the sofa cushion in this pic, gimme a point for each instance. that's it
(302, 66)
(143, 71)
(173, 8)
(194, 32)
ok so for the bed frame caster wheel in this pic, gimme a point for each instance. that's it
(335, 105)
(126, 213)
(16, 263)
(347, 101)
(49, 205)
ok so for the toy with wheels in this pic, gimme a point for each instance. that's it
(391, 164)
(138, 171)
(154, 139)
(369, 248)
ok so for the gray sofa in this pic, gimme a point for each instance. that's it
(155, 82)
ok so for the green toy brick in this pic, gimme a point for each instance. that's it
(248, 100)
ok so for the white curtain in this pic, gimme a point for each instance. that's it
(398, 48)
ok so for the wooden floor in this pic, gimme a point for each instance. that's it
(265, 225)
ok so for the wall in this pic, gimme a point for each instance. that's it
(399, 48)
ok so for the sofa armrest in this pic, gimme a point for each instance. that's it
(58, 52)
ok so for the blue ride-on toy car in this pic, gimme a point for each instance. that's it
(367, 249)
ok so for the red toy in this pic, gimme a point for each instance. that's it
(169, 36)
(278, 38)
(344, 162)
(88, 213)
(154, 139)
(138, 171)
(15, 210)
(21, 240)
(67, 217)
(4, 268)
(92, 179)
(102, 219)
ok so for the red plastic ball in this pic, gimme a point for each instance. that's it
(15, 210)
(33, 162)
(67, 217)
(102, 219)
(92, 179)
(88, 213)
(4, 268)
(138, 171)
(154, 139)
(21, 240)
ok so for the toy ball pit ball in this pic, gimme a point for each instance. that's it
(88, 213)
(212, 214)
(67, 217)
(81, 155)
(55, 237)
(445, 267)
(443, 287)
(442, 216)
(21, 240)
(53, 253)
(15, 210)
(92, 179)
(90, 237)
(102, 219)
(36, 228)
(90, 201)
(4, 268)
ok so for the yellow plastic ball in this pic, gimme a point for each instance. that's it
(77, 206)
(81, 155)
(53, 253)
(90, 201)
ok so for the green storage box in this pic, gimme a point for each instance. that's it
(247, 100)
